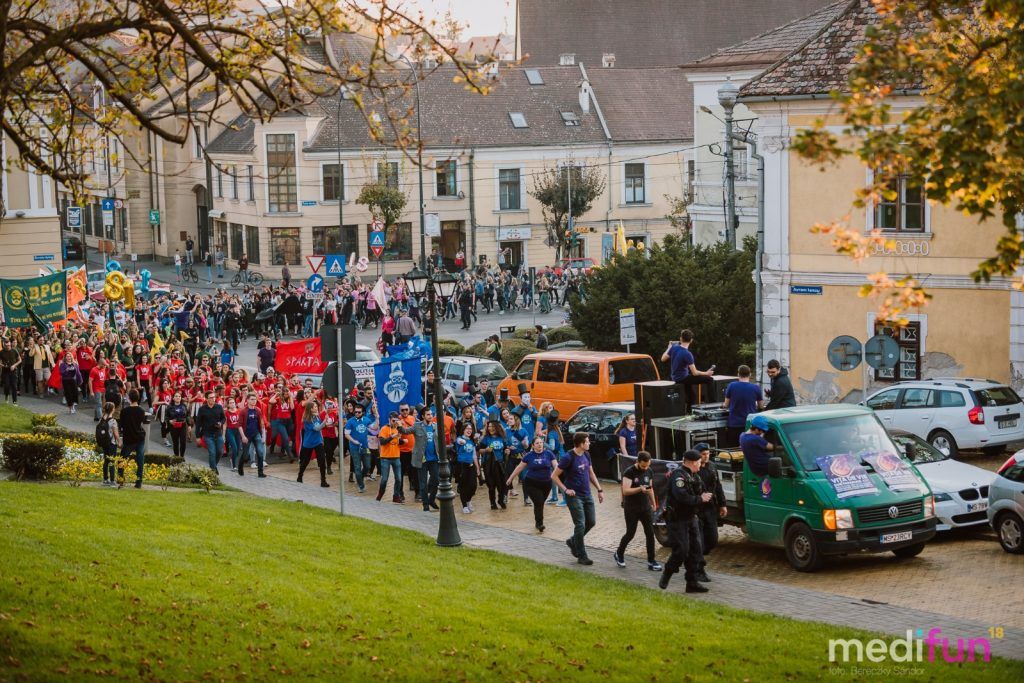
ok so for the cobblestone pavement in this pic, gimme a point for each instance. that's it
(958, 585)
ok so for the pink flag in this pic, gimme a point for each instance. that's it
(380, 294)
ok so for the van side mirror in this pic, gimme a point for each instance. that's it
(774, 467)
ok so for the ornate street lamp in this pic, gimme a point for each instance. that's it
(442, 283)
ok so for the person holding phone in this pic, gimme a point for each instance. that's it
(683, 367)
(638, 504)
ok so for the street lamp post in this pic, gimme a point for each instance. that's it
(727, 96)
(419, 162)
(444, 283)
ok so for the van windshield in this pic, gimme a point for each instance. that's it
(856, 434)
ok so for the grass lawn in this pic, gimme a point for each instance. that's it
(160, 585)
(15, 418)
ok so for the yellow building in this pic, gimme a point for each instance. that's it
(811, 293)
(29, 229)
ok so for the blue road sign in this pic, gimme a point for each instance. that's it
(315, 283)
(107, 204)
(74, 217)
(377, 238)
(337, 266)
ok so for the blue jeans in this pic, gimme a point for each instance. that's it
(362, 463)
(307, 326)
(220, 269)
(281, 427)
(395, 465)
(259, 449)
(584, 517)
(177, 271)
(234, 442)
(139, 449)
(214, 448)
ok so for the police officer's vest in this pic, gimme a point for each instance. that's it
(681, 481)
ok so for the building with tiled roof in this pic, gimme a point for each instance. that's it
(644, 33)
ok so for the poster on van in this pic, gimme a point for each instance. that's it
(846, 475)
(893, 471)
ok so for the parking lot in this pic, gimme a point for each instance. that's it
(962, 573)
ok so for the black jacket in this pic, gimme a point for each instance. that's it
(782, 395)
(709, 477)
(684, 489)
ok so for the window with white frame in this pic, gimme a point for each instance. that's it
(252, 186)
(741, 162)
(197, 141)
(509, 189)
(332, 181)
(233, 172)
(218, 182)
(567, 58)
(910, 340)
(447, 182)
(904, 209)
(282, 178)
(387, 173)
(635, 187)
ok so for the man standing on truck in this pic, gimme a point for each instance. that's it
(755, 447)
(683, 369)
(711, 511)
(742, 398)
(685, 496)
(781, 394)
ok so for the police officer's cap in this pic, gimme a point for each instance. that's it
(701, 447)
(691, 455)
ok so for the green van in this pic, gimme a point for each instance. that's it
(837, 485)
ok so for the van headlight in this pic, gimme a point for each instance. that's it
(837, 519)
(929, 506)
(942, 497)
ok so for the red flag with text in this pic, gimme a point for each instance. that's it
(300, 357)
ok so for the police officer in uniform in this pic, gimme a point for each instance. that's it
(683, 500)
(711, 511)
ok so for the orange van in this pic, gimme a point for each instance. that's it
(572, 379)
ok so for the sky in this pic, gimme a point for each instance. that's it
(484, 17)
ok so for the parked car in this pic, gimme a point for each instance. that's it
(1006, 504)
(600, 422)
(362, 366)
(953, 413)
(584, 264)
(458, 373)
(73, 249)
(961, 490)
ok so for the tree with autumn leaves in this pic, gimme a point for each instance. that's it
(964, 59)
(76, 72)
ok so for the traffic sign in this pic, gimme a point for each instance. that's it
(377, 225)
(74, 218)
(107, 207)
(377, 242)
(329, 342)
(315, 283)
(336, 265)
(881, 351)
(118, 204)
(154, 216)
(329, 380)
(315, 261)
(627, 326)
(844, 352)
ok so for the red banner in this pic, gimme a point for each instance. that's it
(300, 357)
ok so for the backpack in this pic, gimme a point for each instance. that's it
(103, 437)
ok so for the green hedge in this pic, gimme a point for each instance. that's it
(563, 334)
(185, 473)
(32, 456)
(65, 434)
(512, 351)
(450, 347)
(44, 420)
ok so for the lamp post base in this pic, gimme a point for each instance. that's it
(448, 528)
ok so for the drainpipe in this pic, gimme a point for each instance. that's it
(472, 209)
(759, 259)
(152, 194)
(608, 213)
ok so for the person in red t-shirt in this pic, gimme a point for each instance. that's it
(86, 362)
(330, 433)
(233, 418)
(97, 386)
(282, 422)
(144, 376)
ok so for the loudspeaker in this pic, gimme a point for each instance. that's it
(658, 399)
(717, 389)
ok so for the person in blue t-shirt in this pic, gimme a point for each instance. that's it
(429, 472)
(683, 369)
(553, 442)
(536, 466)
(467, 466)
(742, 398)
(626, 434)
(574, 476)
(357, 436)
(493, 449)
(756, 447)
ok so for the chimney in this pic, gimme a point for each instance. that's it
(585, 93)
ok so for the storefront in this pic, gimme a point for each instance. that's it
(512, 242)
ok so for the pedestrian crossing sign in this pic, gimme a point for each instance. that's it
(377, 238)
(336, 265)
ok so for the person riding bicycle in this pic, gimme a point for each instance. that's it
(243, 267)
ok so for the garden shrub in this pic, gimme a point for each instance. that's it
(32, 456)
(450, 347)
(512, 351)
(63, 433)
(186, 473)
(44, 420)
(563, 334)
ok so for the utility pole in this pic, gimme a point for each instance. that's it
(568, 204)
(341, 175)
(727, 96)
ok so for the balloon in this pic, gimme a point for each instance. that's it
(362, 264)
(113, 265)
(145, 276)
(119, 287)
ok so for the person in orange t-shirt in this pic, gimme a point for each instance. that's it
(391, 457)
(408, 419)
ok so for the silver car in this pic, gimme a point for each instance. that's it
(1006, 504)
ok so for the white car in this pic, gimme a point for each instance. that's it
(458, 373)
(362, 366)
(961, 490)
(952, 413)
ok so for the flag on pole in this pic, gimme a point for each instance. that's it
(620, 239)
(158, 345)
(380, 294)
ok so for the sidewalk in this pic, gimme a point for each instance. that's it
(727, 589)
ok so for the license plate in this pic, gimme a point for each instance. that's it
(977, 507)
(1007, 424)
(897, 537)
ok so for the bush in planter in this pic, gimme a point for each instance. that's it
(32, 456)
(563, 334)
(512, 351)
(44, 420)
(186, 473)
(63, 433)
(449, 347)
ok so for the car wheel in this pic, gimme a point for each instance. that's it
(1010, 529)
(944, 442)
(801, 549)
(909, 551)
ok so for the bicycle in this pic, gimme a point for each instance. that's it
(254, 279)
(189, 273)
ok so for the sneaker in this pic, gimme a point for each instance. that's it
(380, 494)
(655, 566)
(585, 561)
(619, 559)
(325, 485)
(561, 504)
(527, 503)
(167, 443)
(74, 409)
(138, 484)
(513, 493)
(572, 548)
(703, 577)
(552, 501)
(252, 465)
(372, 477)
(540, 528)
(494, 506)
(362, 489)
(663, 581)
(466, 510)
(471, 507)
(696, 588)
(262, 476)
